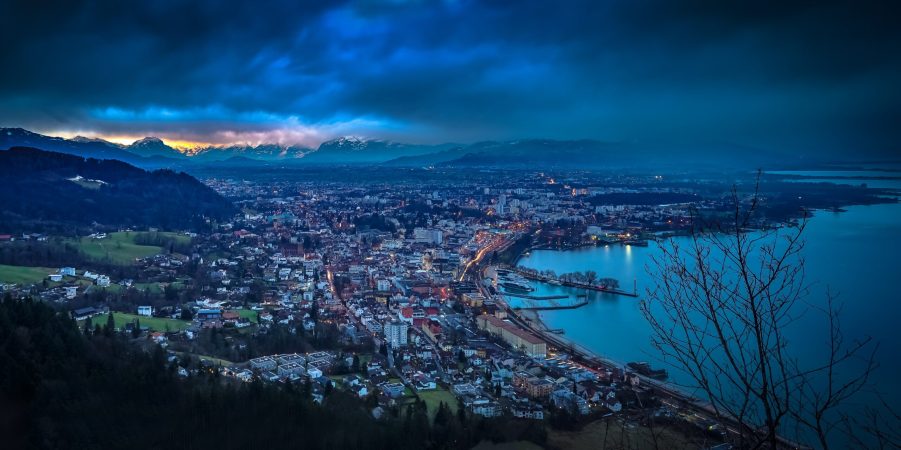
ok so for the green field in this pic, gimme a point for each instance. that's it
(154, 323)
(248, 314)
(157, 288)
(120, 248)
(23, 274)
(216, 361)
(153, 288)
(434, 397)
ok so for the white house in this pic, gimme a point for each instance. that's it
(396, 334)
(146, 311)
(361, 391)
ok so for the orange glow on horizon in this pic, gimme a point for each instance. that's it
(184, 146)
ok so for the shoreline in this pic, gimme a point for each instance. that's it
(534, 324)
(531, 322)
(541, 329)
(586, 357)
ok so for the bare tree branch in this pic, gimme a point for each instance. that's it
(719, 311)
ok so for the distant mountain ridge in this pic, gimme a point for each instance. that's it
(263, 152)
(593, 154)
(151, 152)
(151, 146)
(352, 149)
(81, 146)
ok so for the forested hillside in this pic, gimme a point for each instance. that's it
(65, 387)
(61, 389)
(46, 190)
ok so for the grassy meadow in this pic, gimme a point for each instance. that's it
(23, 274)
(120, 247)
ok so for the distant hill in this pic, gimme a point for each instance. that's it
(355, 150)
(540, 152)
(54, 190)
(428, 159)
(81, 146)
(151, 146)
(151, 153)
(264, 152)
(592, 154)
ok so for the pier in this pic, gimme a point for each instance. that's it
(553, 304)
(537, 277)
(540, 297)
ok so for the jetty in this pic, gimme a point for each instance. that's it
(539, 297)
(554, 304)
(538, 277)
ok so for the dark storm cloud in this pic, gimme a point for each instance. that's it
(786, 75)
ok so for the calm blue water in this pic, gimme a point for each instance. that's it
(855, 253)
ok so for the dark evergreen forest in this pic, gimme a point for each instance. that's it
(40, 191)
(66, 387)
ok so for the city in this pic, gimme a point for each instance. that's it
(396, 294)
(450, 224)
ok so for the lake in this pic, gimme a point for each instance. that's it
(855, 254)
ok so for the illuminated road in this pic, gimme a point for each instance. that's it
(496, 243)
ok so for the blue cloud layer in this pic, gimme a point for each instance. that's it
(786, 75)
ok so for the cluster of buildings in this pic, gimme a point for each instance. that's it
(395, 269)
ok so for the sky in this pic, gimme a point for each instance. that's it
(783, 75)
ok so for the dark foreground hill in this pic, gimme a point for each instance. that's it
(43, 190)
(61, 388)
(65, 387)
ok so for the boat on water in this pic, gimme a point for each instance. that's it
(515, 283)
(644, 368)
(636, 242)
(512, 276)
(516, 286)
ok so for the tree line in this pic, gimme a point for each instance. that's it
(38, 194)
(64, 387)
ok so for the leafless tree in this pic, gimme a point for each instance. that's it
(878, 424)
(720, 310)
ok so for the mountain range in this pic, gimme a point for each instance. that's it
(146, 152)
(151, 152)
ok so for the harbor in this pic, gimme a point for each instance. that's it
(557, 281)
(515, 285)
(553, 304)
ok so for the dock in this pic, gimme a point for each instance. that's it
(554, 305)
(537, 297)
(544, 279)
